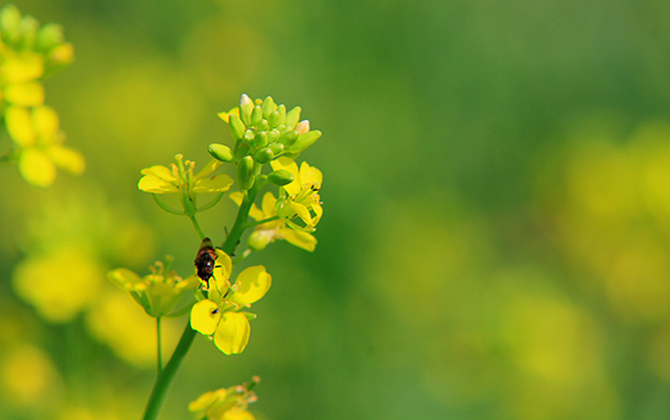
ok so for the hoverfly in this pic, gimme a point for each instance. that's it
(204, 260)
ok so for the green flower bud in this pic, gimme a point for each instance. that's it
(264, 155)
(237, 127)
(261, 139)
(269, 106)
(304, 141)
(256, 115)
(241, 149)
(277, 148)
(280, 177)
(48, 37)
(10, 21)
(246, 107)
(282, 113)
(248, 137)
(220, 152)
(262, 125)
(258, 240)
(293, 116)
(274, 119)
(28, 31)
(288, 137)
(273, 135)
(245, 173)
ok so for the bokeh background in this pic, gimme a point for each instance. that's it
(496, 236)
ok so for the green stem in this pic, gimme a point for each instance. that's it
(196, 225)
(260, 222)
(165, 377)
(240, 222)
(159, 351)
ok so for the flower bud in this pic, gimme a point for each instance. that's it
(248, 137)
(220, 152)
(288, 137)
(277, 148)
(241, 149)
(10, 21)
(28, 31)
(262, 125)
(261, 139)
(274, 119)
(48, 37)
(256, 115)
(246, 107)
(237, 127)
(264, 155)
(280, 177)
(293, 116)
(273, 135)
(304, 141)
(245, 173)
(269, 106)
(282, 114)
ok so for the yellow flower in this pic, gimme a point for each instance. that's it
(220, 315)
(268, 232)
(301, 195)
(38, 135)
(159, 292)
(179, 177)
(226, 403)
(19, 73)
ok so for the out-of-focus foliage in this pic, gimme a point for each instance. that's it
(496, 233)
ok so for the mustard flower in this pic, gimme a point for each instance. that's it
(19, 78)
(277, 229)
(300, 197)
(159, 292)
(220, 315)
(226, 403)
(37, 133)
(179, 177)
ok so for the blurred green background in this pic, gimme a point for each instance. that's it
(496, 233)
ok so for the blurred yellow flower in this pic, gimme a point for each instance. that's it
(268, 232)
(302, 198)
(59, 283)
(219, 315)
(226, 403)
(40, 140)
(19, 72)
(159, 292)
(28, 376)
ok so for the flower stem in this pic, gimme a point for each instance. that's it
(165, 377)
(159, 355)
(196, 225)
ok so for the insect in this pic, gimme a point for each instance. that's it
(204, 260)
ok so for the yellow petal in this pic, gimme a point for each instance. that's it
(302, 212)
(153, 184)
(288, 164)
(299, 238)
(251, 285)
(26, 94)
(268, 205)
(310, 175)
(217, 183)
(207, 399)
(161, 172)
(232, 335)
(45, 123)
(68, 159)
(21, 68)
(36, 167)
(237, 197)
(205, 316)
(19, 126)
(209, 169)
(226, 115)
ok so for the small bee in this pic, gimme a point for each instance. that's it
(204, 260)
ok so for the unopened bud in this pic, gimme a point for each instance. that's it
(28, 30)
(10, 21)
(273, 135)
(248, 137)
(237, 127)
(241, 149)
(293, 116)
(220, 152)
(245, 173)
(262, 125)
(277, 148)
(263, 156)
(280, 177)
(304, 141)
(48, 37)
(288, 137)
(258, 240)
(246, 107)
(269, 106)
(261, 139)
(256, 115)
(274, 119)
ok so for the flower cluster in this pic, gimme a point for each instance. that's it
(28, 54)
(159, 292)
(226, 403)
(220, 314)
